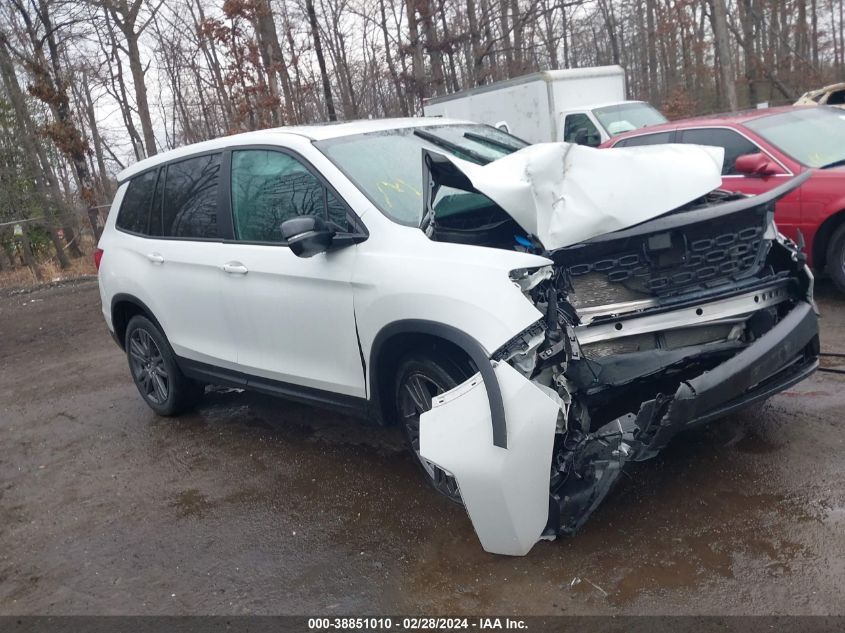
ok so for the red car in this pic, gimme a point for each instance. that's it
(763, 148)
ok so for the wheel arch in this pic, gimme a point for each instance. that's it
(821, 239)
(123, 308)
(398, 338)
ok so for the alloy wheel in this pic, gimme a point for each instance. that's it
(148, 367)
(415, 395)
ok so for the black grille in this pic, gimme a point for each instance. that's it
(664, 264)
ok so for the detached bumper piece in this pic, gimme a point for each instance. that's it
(783, 356)
(504, 490)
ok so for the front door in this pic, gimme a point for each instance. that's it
(292, 317)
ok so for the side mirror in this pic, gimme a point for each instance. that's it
(584, 137)
(757, 164)
(581, 136)
(307, 235)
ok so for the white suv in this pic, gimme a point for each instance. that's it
(533, 316)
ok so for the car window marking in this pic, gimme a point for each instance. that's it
(399, 186)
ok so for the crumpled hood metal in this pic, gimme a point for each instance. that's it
(564, 194)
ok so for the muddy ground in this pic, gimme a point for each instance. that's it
(255, 505)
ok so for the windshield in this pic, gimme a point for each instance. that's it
(387, 166)
(627, 116)
(814, 137)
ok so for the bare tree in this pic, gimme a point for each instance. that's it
(321, 61)
(126, 17)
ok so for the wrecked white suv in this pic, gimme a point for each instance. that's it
(534, 317)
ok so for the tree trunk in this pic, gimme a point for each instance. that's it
(125, 17)
(271, 52)
(141, 102)
(105, 181)
(506, 37)
(28, 257)
(653, 92)
(433, 46)
(391, 65)
(518, 29)
(475, 44)
(321, 61)
(610, 24)
(723, 51)
(747, 17)
(207, 45)
(417, 65)
(841, 37)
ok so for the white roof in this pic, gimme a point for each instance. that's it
(606, 104)
(548, 76)
(274, 135)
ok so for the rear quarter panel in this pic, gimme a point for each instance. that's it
(109, 271)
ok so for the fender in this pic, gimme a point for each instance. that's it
(124, 297)
(464, 341)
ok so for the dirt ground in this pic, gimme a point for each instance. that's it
(255, 505)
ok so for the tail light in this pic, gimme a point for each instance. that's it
(98, 257)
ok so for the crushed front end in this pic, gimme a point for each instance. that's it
(661, 327)
(646, 332)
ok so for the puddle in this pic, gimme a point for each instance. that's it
(191, 503)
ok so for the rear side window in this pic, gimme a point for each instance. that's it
(735, 145)
(135, 208)
(189, 206)
(270, 187)
(658, 138)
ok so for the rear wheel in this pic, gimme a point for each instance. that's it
(836, 257)
(158, 378)
(420, 378)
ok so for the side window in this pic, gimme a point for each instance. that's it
(836, 98)
(189, 206)
(155, 208)
(659, 138)
(578, 128)
(135, 208)
(337, 213)
(269, 187)
(735, 145)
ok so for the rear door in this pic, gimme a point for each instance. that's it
(292, 317)
(182, 258)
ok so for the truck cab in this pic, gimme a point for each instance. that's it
(587, 106)
(596, 124)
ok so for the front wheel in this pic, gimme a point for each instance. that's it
(420, 378)
(161, 383)
(836, 258)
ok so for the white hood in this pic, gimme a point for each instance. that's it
(564, 194)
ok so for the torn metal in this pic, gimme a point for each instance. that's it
(651, 321)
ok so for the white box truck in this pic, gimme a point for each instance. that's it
(580, 105)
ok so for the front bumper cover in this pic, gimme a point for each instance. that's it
(499, 485)
(780, 358)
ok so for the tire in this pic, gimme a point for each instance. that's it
(420, 377)
(162, 385)
(836, 257)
